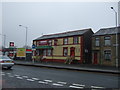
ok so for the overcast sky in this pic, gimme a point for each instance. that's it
(53, 17)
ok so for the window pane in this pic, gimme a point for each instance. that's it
(49, 52)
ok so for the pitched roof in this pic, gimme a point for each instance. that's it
(107, 31)
(65, 34)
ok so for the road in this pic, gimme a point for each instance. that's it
(38, 77)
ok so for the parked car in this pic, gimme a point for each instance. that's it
(6, 62)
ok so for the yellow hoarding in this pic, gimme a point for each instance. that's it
(21, 52)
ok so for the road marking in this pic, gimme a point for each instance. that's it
(35, 78)
(25, 76)
(8, 73)
(2, 74)
(10, 76)
(56, 84)
(48, 80)
(62, 82)
(42, 82)
(79, 85)
(19, 77)
(96, 87)
(76, 87)
(30, 80)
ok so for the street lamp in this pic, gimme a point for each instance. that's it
(116, 37)
(26, 37)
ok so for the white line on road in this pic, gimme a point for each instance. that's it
(56, 84)
(48, 80)
(2, 74)
(19, 77)
(8, 73)
(79, 85)
(62, 82)
(35, 78)
(25, 76)
(10, 76)
(42, 82)
(30, 80)
(76, 87)
(97, 87)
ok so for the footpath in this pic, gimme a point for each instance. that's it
(78, 67)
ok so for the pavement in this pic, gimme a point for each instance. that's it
(78, 67)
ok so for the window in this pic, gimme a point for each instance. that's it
(44, 52)
(97, 41)
(55, 42)
(65, 51)
(107, 41)
(49, 52)
(50, 42)
(107, 55)
(65, 41)
(76, 40)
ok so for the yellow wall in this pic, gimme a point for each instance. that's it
(58, 50)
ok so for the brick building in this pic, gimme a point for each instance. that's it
(58, 47)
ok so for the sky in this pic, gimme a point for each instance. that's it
(43, 18)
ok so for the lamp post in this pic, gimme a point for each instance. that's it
(116, 37)
(4, 39)
(26, 28)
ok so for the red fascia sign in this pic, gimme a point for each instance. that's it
(11, 44)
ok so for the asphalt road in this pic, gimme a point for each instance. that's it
(37, 77)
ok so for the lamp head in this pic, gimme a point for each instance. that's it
(111, 7)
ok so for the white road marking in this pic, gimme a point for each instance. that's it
(76, 87)
(30, 80)
(25, 76)
(62, 82)
(42, 82)
(2, 74)
(8, 73)
(10, 76)
(35, 78)
(97, 87)
(48, 80)
(19, 77)
(56, 84)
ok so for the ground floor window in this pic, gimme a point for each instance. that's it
(49, 52)
(107, 55)
(65, 51)
(44, 52)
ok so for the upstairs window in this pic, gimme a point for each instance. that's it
(55, 42)
(76, 40)
(107, 41)
(97, 41)
(50, 42)
(65, 41)
(107, 55)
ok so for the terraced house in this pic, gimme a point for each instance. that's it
(59, 47)
(104, 51)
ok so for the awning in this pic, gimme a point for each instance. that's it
(44, 47)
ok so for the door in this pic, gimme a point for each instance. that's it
(95, 58)
(72, 51)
